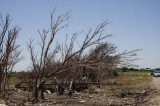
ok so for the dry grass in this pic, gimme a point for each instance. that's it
(14, 80)
(128, 82)
(136, 79)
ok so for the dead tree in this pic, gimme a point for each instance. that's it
(51, 60)
(40, 61)
(9, 51)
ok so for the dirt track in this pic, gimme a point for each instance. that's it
(155, 98)
(156, 82)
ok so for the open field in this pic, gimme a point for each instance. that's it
(14, 80)
(135, 79)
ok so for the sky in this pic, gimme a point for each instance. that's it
(134, 24)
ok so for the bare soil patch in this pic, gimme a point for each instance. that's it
(154, 97)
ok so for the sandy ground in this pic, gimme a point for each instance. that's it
(155, 98)
(156, 82)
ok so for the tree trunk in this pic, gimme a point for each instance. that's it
(35, 94)
(41, 87)
(0, 87)
(38, 87)
(4, 85)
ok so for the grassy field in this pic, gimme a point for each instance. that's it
(14, 80)
(136, 73)
(135, 80)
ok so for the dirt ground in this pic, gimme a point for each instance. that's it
(121, 91)
(97, 98)
(111, 94)
(155, 97)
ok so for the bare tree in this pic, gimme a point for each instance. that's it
(52, 59)
(40, 61)
(9, 53)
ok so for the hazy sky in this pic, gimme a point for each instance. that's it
(133, 23)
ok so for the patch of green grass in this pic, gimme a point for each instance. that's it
(131, 81)
(14, 80)
(135, 73)
(135, 79)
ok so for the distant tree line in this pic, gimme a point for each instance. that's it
(126, 69)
